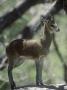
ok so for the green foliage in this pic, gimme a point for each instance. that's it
(25, 74)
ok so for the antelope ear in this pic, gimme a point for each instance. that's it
(42, 18)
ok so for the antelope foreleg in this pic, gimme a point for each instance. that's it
(39, 67)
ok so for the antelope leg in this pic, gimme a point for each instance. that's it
(10, 76)
(39, 67)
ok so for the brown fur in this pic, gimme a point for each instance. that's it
(29, 48)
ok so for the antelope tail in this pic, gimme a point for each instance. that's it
(4, 63)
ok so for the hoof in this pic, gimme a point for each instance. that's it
(39, 84)
(13, 86)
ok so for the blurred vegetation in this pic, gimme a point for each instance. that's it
(53, 71)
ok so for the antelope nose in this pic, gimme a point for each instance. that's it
(58, 30)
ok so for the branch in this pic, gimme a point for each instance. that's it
(44, 87)
(36, 87)
(12, 16)
(61, 58)
(57, 50)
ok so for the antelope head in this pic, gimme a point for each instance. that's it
(50, 24)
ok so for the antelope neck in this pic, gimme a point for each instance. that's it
(47, 42)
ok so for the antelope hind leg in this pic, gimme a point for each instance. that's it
(10, 76)
(16, 62)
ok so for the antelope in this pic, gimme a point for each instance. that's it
(31, 48)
